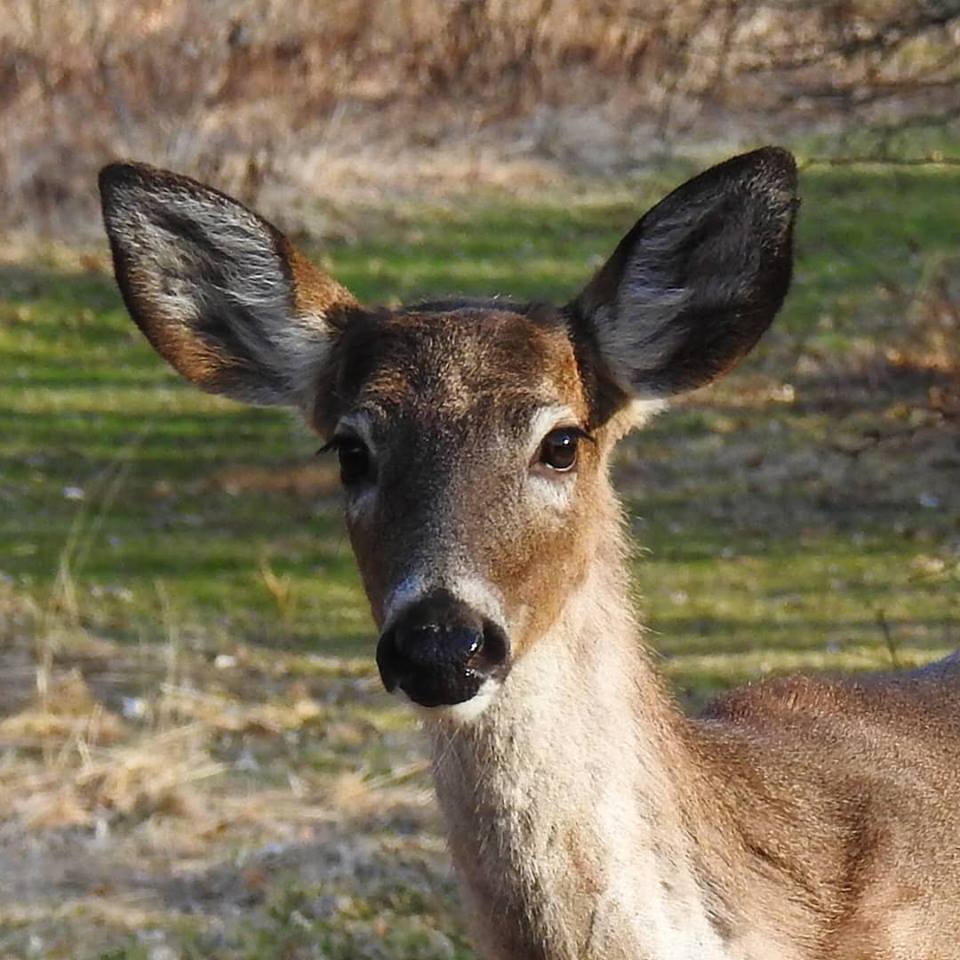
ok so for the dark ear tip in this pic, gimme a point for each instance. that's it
(117, 175)
(773, 163)
(126, 173)
(116, 172)
(775, 156)
(783, 162)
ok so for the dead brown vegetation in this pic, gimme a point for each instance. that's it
(142, 788)
(258, 95)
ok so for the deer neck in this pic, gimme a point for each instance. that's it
(567, 801)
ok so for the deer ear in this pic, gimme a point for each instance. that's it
(694, 284)
(218, 291)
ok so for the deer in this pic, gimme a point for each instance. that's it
(588, 817)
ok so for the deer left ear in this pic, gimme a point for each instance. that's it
(694, 284)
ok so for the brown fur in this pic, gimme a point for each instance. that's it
(314, 292)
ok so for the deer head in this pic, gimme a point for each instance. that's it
(473, 437)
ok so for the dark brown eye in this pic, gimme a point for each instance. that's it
(354, 460)
(559, 449)
(354, 457)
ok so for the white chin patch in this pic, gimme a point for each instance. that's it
(466, 712)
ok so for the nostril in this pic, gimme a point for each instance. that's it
(495, 645)
(388, 661)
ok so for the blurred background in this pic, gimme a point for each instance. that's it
(290, 103)
(196, 759)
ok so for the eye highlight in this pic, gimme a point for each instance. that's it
(559, 448)
(356, 464)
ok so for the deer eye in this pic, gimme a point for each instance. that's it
(558, 451)
(354, 456)
(354, 460)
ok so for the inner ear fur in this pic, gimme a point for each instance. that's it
(218, 291)
(691, 288)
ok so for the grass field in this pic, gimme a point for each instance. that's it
(196, 758)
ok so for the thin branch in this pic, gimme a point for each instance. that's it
(888, 639)
(932, 161)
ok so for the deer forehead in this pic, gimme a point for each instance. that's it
(471, 367)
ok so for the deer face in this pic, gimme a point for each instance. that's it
(470, 455)
(473, 438)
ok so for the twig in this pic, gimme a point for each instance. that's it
(888, 640)
(930, 161)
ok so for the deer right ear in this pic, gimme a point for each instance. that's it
(691, 288)
(218, 291)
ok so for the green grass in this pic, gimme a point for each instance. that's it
(804, 514)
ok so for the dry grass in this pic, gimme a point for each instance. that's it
(147, 797)
(150, 776)
(265, 98)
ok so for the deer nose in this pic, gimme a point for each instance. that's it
(439, 651)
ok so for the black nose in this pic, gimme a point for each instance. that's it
(440, 650)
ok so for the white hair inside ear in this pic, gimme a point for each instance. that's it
(691, 288)
(219, 292)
